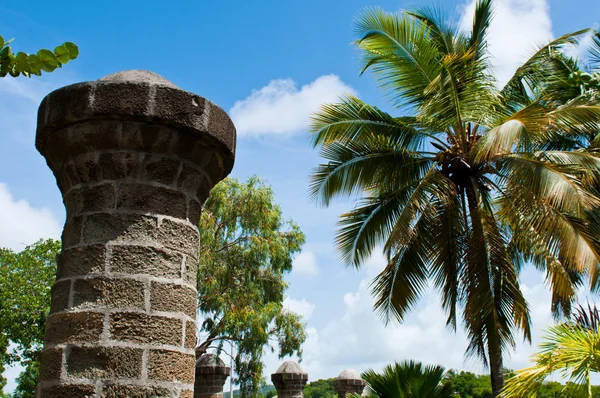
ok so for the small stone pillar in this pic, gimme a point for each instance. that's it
(289, 380)
(211, 374)
(348, 382)
(134, 158)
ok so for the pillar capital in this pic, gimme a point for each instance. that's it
(348, 382)
(289, 380)
(211, 374)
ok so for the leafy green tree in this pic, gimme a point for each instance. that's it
(570, 348)
(25, 281)
(408, 379)
(466, 189)
(469, 385)
(322, 388)
(246, 249)
(27, 380)
(34, 64)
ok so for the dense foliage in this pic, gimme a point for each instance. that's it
(408, 379)
(34, 64)
(246, 250)
(477, 181)
(322, 388)
(25, 281)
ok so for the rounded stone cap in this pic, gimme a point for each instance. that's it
(137, 95)
(289, 370)
(210, 360)
(137, 76)
(349, 374)
(211, 364)
(289, 367)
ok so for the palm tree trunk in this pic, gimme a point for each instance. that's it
(495, 361)
(493, 338)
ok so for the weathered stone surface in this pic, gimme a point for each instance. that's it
(104, 362)
(142, 328)
(90, 199)
(191, 338)
(73, 327)
(108, 293)
(160, 168)
(82, 169)
(178, 236)
(78, 261)
(71, 234)
(146, 260)
(68, 391)
(116, 391)
(51, 364)
(119, 165)
(119, 227)
(152, 200)
(171, 366)
(60, 296)
(173, 298)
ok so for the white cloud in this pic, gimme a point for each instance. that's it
(358, 339)
(518, 28)
(21, 224)
(305, 264)
(301, 307)
(281, 108)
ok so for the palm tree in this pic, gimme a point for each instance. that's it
(407, 379)
(466, 189)
(571, 349)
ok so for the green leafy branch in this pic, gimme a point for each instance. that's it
(33, 64)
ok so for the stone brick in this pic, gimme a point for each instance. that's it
(71, 234)
(91, 136)
(191, 179)
(82, 169)
(173, 298)
(180, 107)
(215, 169)
(186, 145)
(102, 228)
(60, 296)
(190, 271)
(147, 260)
(51, 364)
(142, 328)
(58, 146)
(153, 200)
(180, 237)
(119, 165)
(162, 169)
(221, 127)
(120, 391)
(108, 293)
(187, 394)
(73, 327)
(84, 260)
(69, 391)
(104, 362)
(190, 335)
(116, 98)
(90, 199)
(194, 211)
(155, 138)
(171, 366)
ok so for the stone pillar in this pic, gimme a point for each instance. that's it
(289, 380)
(135, 158)
(211, 374)
(348, 382)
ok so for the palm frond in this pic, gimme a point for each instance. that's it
(399, 49)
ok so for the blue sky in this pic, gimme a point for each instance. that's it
(268, 63)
